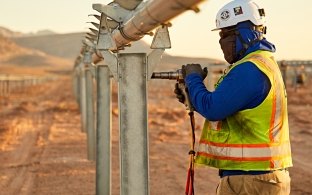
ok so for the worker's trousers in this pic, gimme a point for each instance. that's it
(275, 183)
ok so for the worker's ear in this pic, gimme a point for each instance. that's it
(262, 29)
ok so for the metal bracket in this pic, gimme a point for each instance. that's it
(153, 60)
(94, 31)
(96, 25)
(87, 43)
(91, 36)
(161, 41)
(111, 61)
(114, 11)
(87, 57)
(90, 44)
(128, 4)
(105, 41)
(111, 24)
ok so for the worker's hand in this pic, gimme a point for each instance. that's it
(194, 68)
(179, 93)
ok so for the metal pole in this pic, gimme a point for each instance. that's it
(103, 131)
(78, 87)
(76, 84)
(83, 101)
(132, 100)
(90, 114)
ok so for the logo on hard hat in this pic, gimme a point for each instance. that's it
(238, 10)
(225, 15)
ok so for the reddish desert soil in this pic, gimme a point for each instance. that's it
(43, 151)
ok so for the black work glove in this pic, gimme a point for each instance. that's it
(194, 68)
(179, 93)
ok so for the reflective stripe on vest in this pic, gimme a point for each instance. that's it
(277, 101)
(246, 152)
(252, 139)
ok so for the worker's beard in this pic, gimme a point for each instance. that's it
(228, 46)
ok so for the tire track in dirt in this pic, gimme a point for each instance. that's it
(22, 157)
(23, 141)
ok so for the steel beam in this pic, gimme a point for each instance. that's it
(154, 13)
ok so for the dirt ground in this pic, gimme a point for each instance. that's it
(43, 151)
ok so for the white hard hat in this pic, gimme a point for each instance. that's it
(239, 11)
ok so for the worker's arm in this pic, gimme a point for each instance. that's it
(244, 87)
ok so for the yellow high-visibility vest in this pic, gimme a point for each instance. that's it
(251, 139)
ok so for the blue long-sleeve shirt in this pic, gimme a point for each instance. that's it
(244, 87)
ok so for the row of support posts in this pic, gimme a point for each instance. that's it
(133, 131)
(132, 101)
(132, 72)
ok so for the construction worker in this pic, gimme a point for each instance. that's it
(246, 132)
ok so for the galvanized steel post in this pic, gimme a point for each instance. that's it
(103, 131)
(76, 86)
(133, 124)
(90, 122)
(83, 101)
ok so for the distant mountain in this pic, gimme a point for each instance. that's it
(38, 33)
(5, 32)
(67, 46)
(38, 60)
(9, 33)
(8, 48)
(60, 45)
(45, 32)
(12, 54)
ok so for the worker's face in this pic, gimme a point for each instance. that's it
(228, 44)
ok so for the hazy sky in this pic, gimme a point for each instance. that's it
(289, 24)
